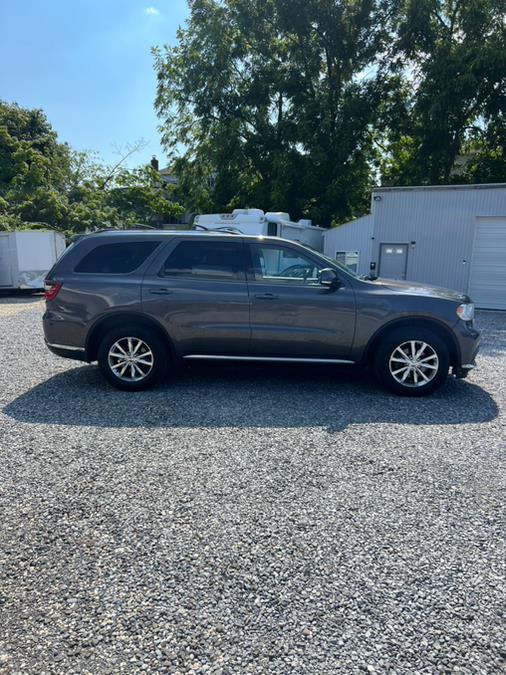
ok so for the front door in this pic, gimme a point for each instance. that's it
(292, 314)
(393, 261)
(197, 289)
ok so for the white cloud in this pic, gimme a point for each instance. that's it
(152, 11)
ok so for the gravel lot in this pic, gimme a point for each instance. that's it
(248, 520)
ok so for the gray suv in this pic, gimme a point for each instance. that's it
(138, 302)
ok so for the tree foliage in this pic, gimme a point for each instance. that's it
(452, 126)
(273, 101)
(292, 105)
(44, 182)
(33, 168)
(300, 105)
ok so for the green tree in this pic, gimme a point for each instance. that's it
(273, 102)
(33, 168)
(101, 196)
(44, 182)
(452, 58)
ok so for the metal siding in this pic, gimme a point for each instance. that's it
(353, 236)
(487, 283)
(441, 222)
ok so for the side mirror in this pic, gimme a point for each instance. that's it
(329, 278)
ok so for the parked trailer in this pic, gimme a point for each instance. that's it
(272, 224)
(26, 256)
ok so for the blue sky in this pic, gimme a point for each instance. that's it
(87, 64)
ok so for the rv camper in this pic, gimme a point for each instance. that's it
(255, 221)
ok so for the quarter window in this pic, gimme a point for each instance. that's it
(220, 260)
(279, 264)
(119, 258)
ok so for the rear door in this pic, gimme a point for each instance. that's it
(292, 314)
(197, 289)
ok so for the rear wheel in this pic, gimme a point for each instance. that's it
(412, 362)
(132, 359)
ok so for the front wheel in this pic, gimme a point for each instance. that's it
(412, 362)
(132, 359)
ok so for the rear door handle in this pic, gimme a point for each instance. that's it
(266, 296)
(160, 291)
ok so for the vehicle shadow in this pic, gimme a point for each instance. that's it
(216, 396)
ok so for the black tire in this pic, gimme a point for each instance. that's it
(434, 368)
(151, 340)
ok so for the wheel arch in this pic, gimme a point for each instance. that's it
(107, 323)
(434, 325)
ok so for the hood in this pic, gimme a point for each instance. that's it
(414, 288)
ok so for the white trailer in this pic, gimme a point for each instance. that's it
(273, 224)
(26, 256)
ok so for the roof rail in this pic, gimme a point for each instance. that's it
(137, 226)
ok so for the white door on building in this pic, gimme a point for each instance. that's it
(5, 261)
(487, 279)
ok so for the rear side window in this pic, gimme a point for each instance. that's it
(220, 260)
(119, 258)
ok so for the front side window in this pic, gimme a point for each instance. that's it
(119, 258)
(280, 264)
(219, 260)
(348, 259)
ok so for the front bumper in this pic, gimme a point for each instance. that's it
(469, 345)
(463, 371)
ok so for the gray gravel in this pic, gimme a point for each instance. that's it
(247, 520)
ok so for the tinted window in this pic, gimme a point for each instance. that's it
(118, 258)
(279, 264)
(222, 260)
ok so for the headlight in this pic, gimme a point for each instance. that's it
(466, 311)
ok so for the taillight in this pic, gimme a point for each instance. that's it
(51, 289)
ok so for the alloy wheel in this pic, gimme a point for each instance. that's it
(414, 363)
(130, 359)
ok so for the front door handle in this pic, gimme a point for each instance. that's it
(160, 291)
(266, 296)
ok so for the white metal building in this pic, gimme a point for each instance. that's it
(452, 236)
